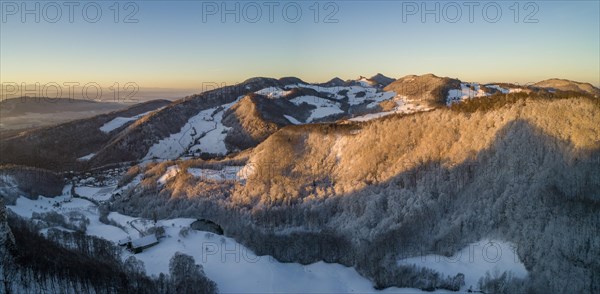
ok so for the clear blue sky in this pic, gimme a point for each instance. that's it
(171, 46)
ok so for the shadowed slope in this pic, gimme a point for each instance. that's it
(58, 147)
(253, 119)
(368, 194)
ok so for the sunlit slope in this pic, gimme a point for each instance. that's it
(345, 158)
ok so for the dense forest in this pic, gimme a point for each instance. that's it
(65, 262)
(368, 194)
(522, 168)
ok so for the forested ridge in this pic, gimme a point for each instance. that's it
(370, 193)
(522, 168)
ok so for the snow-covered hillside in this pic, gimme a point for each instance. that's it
(206, 133)
(203, 133)
(474, 261)
(273, 92)
(403, 105)
(323, 107)
(335, 97)
(232, 266)
(356, 94)
(384, 191)
(473, 90)
(236, 268)
(118, 122)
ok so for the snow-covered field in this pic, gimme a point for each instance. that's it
(466, 91)
(359, 94)
(332, 106)
(474, 261)
(273, 92)
(324, 107)
(472, 90)
(235, 268)
(66, 205)
(96, 193)
(370, 93)
(118, 122)
(505, 90)
(203, 132)
(403, 105)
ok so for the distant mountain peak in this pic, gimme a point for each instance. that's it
(568, 85)
(291, 80)
(335, 82)
(382, 79)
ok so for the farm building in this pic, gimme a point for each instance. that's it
(138, 245)
(125, 242)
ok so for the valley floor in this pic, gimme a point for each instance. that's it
(237, 269)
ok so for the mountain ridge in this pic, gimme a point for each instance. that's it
(342, 190)
(310, 103)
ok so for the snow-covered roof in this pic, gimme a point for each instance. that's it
(144, 241)
(124, 241)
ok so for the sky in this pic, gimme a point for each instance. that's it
(190, 44)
